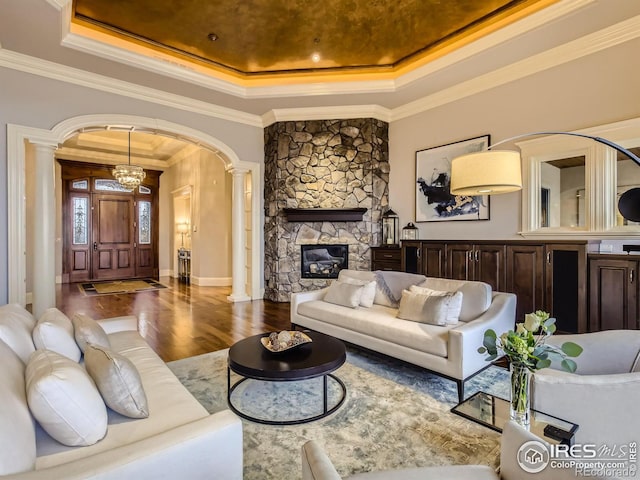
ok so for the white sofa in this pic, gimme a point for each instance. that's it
(179, 438)
(450, 350)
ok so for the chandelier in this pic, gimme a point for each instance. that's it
(129, 176)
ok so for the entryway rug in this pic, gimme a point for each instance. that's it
(395, 415)
(120, 286)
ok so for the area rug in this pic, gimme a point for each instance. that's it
(395, 415)
(120, 286)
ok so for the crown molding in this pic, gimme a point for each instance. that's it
(56, 71)
(323, 113)
(587, 45)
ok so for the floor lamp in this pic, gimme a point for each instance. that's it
(493, 172)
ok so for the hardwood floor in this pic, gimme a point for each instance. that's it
(182, 320)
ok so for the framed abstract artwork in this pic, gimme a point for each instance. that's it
(434, 201)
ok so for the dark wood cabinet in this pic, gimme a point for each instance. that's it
(425, 258)
(544, 275)
(525, 277)
(613, 293)
(480, 262)
(386, 258)
(433, 259)
(411, 256)
(566, 285)
(459, 261)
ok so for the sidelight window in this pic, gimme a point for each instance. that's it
(80, 220)
(144, 222)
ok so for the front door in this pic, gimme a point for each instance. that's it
(113, 237)
(109, 233)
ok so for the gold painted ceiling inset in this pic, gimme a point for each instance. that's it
(274, 37)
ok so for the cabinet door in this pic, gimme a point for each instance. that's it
(459, 262)
(565, 286)
(489, 265)
(433, 259)
(411, 256)
(613, 294)
(525, 277)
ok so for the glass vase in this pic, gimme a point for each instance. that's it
(520, 407)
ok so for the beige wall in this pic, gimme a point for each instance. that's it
(210, 222)
(598, 89)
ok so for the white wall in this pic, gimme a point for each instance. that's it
(598, 89)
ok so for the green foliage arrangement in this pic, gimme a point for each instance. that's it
(526, 345)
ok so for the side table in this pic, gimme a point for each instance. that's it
(184, 265)
(493, 412)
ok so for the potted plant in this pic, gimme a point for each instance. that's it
(526, 350)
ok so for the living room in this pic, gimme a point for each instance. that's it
(566, 67)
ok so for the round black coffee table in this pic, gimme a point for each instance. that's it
(250, 359)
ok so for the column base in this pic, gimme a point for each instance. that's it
(234, 298)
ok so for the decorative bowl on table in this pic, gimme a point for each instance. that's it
(278, 342)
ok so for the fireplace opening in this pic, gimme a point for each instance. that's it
(323, 261)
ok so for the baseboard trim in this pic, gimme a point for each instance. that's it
(211, 281)
(167, 273)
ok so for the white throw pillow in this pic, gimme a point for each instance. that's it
(117, 380)
(454, 305)
(21, 312)
(15, 333)
(368, 292)
(344, 294)
(87, 330)
(64, 400)
(54, 331)
(18, 431)
(431, 309)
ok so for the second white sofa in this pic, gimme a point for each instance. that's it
(449, 350)
(179, 438)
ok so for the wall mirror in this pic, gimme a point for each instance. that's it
(571, 185)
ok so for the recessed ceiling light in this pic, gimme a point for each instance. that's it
(315, 57)
(212, 37)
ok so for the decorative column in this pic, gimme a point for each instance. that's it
(239, 274)
(44, 230)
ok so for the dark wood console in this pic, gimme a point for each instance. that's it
(545, 275)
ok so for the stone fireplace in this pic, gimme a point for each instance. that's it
(323, 167)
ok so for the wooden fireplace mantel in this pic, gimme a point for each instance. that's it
(324, 214)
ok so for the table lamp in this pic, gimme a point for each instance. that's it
(182, 228)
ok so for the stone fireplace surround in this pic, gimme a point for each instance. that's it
(322, 164)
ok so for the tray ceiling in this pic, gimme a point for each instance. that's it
(260, 39)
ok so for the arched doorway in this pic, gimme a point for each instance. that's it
(42, 144)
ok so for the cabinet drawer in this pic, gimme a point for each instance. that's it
(386, 265)
(386, 254)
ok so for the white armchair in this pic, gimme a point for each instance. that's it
(317, 466)
(603, 395)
